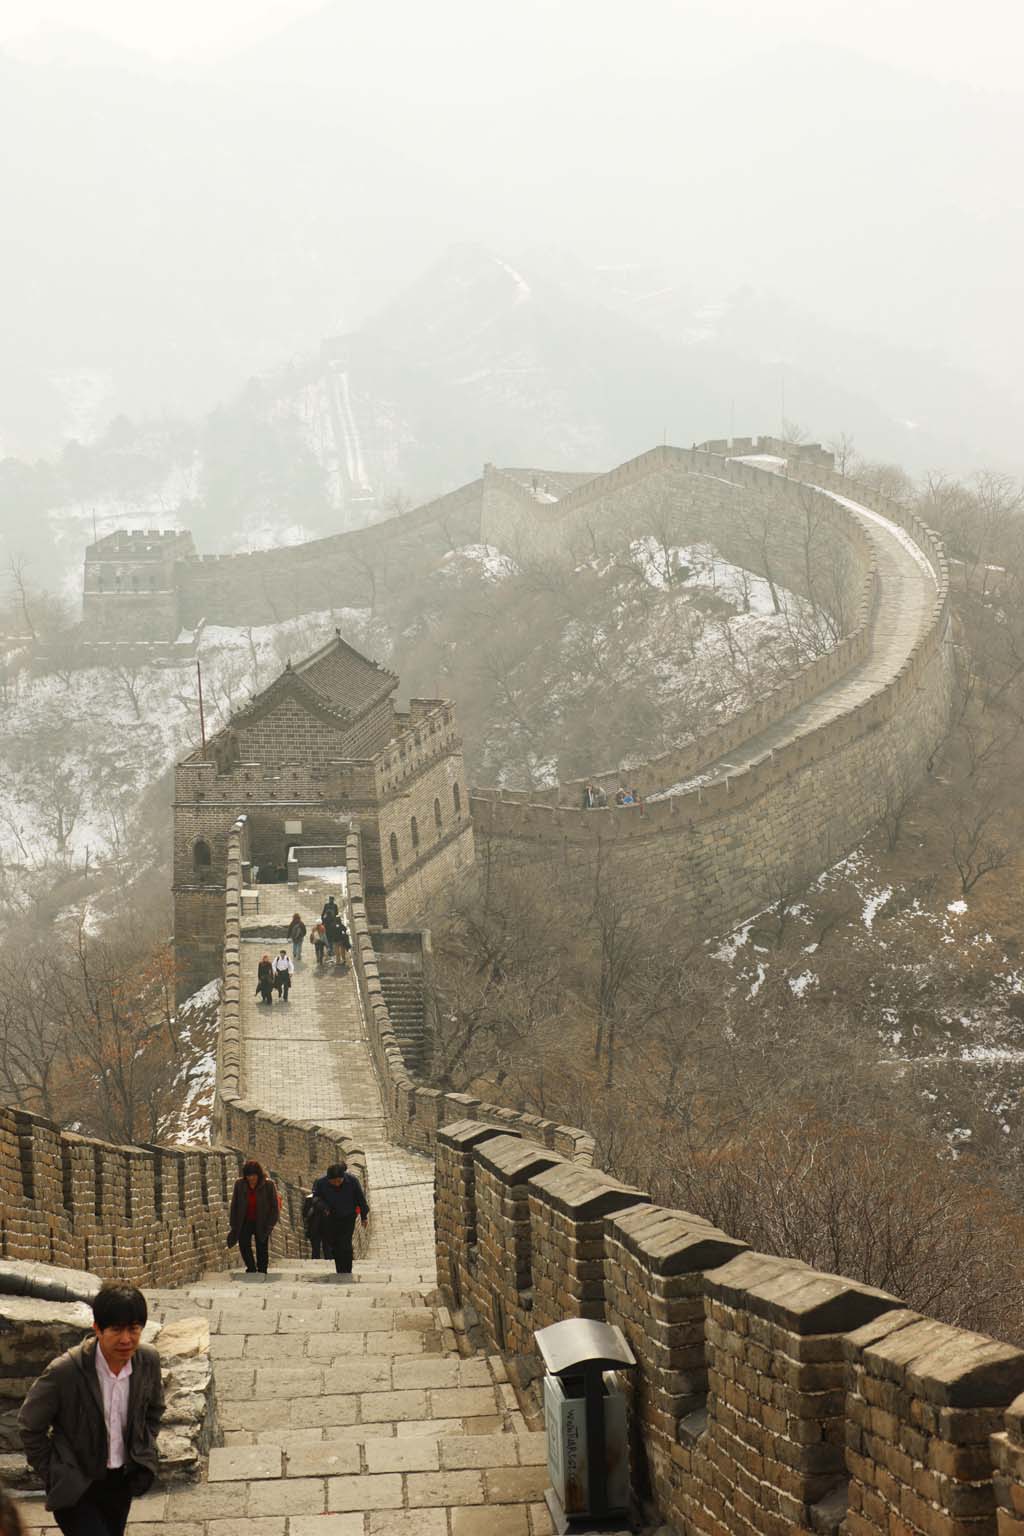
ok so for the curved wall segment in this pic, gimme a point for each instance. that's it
(789, 786)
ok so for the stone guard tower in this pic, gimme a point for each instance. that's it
(321, 748)
(131, 585)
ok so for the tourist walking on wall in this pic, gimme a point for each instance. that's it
(254, 1213)
(339, 1201)
(342, 942)
(265, 979)
(331, 924)
(319, 937)
(313, 1225)
(296, 932)
(284, 969)
(89, 1422)
(330, 907)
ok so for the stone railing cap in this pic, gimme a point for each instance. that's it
(513, 1159)
(577, 1190)
(466, 1133)
(802, 1299)
(948, 1366)
(672, 1242)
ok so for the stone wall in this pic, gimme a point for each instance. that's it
(339, 571)
(713, 853)
(150, 1215)
(416, 1113)
(302, 1149)
(768, 1397)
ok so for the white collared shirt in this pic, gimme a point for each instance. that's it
(114, 1390)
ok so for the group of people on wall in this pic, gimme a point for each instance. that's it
(89, 1423)
(596, 799)
(330, 940)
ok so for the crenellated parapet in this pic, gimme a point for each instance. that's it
(768, 1396)
(148, 1214)
(414, 1112)
(791, 783)
(301, 1149)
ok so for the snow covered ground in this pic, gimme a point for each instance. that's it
(80, 750)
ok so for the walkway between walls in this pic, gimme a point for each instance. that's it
(310, 1059)
(345, 1406)
(906, 598)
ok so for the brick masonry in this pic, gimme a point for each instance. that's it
(768, 1397)
(787, 787)
(147, 1214)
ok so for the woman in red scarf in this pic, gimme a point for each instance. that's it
(255, 1208)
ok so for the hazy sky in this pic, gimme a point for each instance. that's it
(251, 176)
(981, 44)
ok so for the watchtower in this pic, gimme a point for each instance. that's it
(131, 584)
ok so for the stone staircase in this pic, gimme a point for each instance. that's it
(346, 1409)
(403, 993)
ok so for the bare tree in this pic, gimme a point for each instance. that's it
(846, 456)
(975, 844)
(133, 681)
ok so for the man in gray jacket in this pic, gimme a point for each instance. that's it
(89, 1422)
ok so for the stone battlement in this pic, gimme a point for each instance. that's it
(793, 782)
(769, 1397)
(150, 1215)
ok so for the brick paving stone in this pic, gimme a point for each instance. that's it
(376, 1407)
(512, 1485)
(464, 1401)
(444, 1488)
(541, 1521)
(289, 1496)
(326, 1525)
(533, 1450)
(509, 1520)
(268, 1525)
(243, 1463)
(210, 1501)
(426, 1372)
(330, 1458)
(373, 1490)
(307, 1411)
(403, 1453)
(463, 1451)
(409, 1522)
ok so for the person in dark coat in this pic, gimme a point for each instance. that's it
(330, 906)
(342, 942)
(255, 1209)
(313, 1226)
(265, 979)
(331, 924)
(90, 1421)
(297, 932)
(340, 1201)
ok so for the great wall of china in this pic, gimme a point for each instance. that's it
(768, 1397)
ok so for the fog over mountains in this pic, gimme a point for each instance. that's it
(541, 238)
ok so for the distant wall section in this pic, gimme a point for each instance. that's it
(713, 853)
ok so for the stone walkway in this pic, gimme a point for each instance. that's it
(344, 1409)
(908, 592)
(309, 1058)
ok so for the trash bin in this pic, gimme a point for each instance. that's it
(585, 1421)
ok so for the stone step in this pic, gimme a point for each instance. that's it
(374, 1454)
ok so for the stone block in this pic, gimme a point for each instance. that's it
(368, 1491)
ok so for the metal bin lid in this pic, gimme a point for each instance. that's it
(580, 1341)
